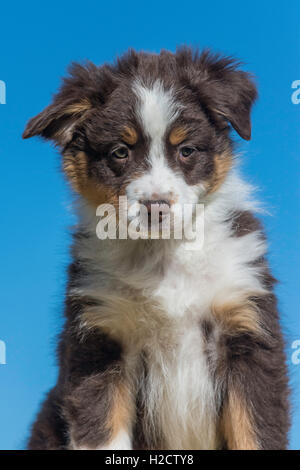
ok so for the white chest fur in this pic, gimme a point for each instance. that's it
(180, 395)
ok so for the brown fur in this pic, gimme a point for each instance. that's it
(79, 108)
(129, 135)
(244, 223)
(122, 411)
(238, 430)
(222, 165)
(75, 167)
(238, 317)
(177, 135)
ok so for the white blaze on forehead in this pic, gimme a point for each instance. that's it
(157, 109)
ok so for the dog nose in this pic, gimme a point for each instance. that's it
(156, 207)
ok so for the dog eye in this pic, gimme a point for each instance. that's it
(121, 153)
(186, 151)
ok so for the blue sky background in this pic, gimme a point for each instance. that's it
(37, 42)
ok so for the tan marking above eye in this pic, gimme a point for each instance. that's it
(129, 135)
(178, 135)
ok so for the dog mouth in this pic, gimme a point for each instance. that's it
(158, 211)
(156, 215)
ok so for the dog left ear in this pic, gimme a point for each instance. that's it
(226, 92)
(234, 96)
(231, 92)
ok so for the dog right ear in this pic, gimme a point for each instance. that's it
(85, 88)
(57, 121)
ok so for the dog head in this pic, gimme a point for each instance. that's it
(154, 128)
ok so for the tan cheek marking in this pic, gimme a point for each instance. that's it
(177, 136)
(129, 135)
(75, 167)
(223, 163)
(238, 318)
(97, 195)
(236, 424)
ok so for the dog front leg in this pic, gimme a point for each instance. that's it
(97, 401)
(255, 411)
(99, 413)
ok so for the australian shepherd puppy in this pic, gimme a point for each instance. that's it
(169, 342)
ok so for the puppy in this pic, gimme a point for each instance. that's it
(168, 343)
